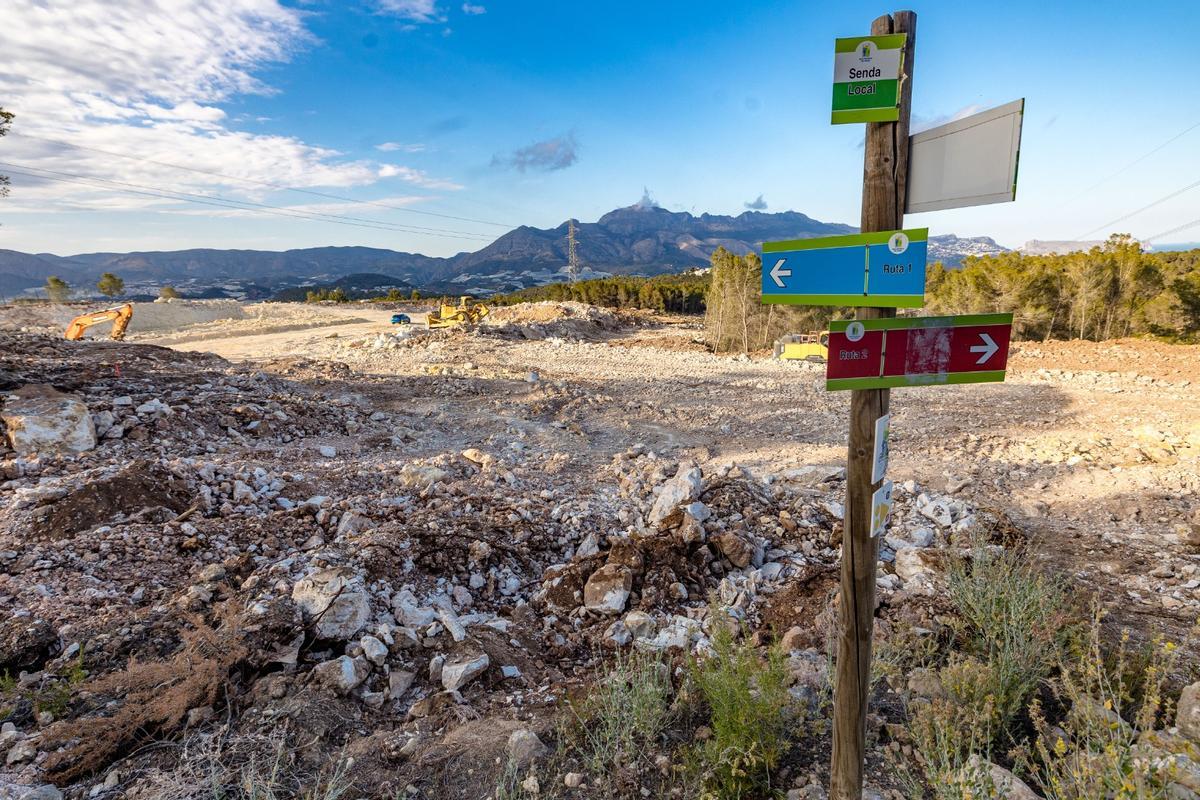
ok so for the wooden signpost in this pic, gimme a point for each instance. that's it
(967, 162)
(885, 172)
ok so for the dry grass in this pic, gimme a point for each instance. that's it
(155, 698)
(245, 767)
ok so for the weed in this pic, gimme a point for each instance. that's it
(53, 696)
(8, 688)
(508, 784)
(949, 734)
(946, 763)
(1101, 750)
(747, 700)
(56, 699)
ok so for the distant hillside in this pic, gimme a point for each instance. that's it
(640, 239)
(951, 250)
(360, 284)
(1044, 247)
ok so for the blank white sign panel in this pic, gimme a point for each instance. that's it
(968, 162)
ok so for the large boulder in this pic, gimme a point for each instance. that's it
(334, 602)
(463, 666)
(683, 488)
(608, 588)
(524, 747)
(342, 674)
(738, 550)
(41, 418)
(911, 564)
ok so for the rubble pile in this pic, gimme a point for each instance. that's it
(202, 499)
(555, 320)
(294, 557)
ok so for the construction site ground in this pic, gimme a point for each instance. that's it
(541, 429)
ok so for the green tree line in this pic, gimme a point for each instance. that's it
(680, 294)
(337, 294)
(1113, 290)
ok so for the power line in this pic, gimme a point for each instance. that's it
(1182, 227)
(1159, 201)
(399, 226)
(177, 194)
(232, 204)
(258, 182)
(1135, 162)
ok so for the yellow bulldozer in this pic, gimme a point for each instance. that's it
(464, 314)
(813, 346)
(118, 315)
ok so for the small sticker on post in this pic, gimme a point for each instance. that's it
(879, 463)
(881, 508)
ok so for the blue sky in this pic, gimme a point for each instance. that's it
(506, 113)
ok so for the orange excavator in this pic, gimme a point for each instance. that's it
(119, 315)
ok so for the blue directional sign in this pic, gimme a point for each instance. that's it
(866, 269)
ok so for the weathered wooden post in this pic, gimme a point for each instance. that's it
(885, 172)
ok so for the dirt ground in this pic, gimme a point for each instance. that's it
(1095, 445)
(452, 503)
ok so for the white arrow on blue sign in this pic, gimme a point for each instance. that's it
(868, 269)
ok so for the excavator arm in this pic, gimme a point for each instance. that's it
(119, 316)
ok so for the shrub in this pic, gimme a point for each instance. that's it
(1016, 621)
(156, 697)
(747, 698)
(1015, 624)
(626, 712)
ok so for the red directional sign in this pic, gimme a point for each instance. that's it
(917, 351)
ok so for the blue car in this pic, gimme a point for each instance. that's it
(400, 319)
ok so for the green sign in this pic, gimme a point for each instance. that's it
(866, 78)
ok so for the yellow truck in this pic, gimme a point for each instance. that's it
(811, 346)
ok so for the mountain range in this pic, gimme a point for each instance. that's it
(641, 239)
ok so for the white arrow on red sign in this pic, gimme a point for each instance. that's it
(988, 348)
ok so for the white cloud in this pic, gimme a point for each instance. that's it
(393, 147)
(473, 10)
(416, 177)
(415, 10)
(146, 78)
(923, 123)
